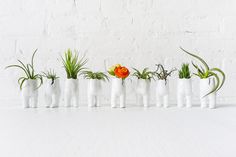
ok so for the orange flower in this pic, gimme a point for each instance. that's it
(121, 72)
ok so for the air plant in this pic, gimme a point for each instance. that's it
(207, 72)
(184, 72)
(28, 70)
(95, 75)
(73, 64)
(50, 75)
(145, 74)
(162, 74)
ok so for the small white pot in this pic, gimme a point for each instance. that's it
(72, 92)
(184, 92)
(162, 93)
(52, 93)
(118, 90)
(30, 93)
(94, 92)
(206, 86)
(143, 92)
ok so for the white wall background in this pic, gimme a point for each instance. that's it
(137, 33)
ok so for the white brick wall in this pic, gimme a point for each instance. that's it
(120, 31)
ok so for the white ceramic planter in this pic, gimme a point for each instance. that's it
(72, 92)
(143, 92)
(206, 86)
(118, 90)
(52, 93)
(184, 92)
(162, 93)
(94, 92)
(30, 93)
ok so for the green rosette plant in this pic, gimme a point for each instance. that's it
(51, 75)
(184, 72)
(145, 74)
(95, 75)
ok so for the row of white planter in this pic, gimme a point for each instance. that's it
(118, 91)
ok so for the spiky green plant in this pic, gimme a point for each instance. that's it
(95, 75)
(161, 73)
(73, 64)
(50, 74)
(28, 70)
(145, 74)
(207, 72)
(184, 72)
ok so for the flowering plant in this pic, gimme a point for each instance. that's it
(119, 71)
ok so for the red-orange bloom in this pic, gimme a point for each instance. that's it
(121, 72)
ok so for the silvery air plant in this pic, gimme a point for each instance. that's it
(143, 85)
(118, 88)
(184, 88)
(29, 82)
(162, 88)
(73, 66)
(52, 89)
(95, 87)
(210, 81)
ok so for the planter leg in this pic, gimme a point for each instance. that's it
(180, 100)
(98, 101)
(26, 101)
(138, 99)
(212, 101)
(158, 101)
(90, 100)
(145, 100)
(122, 101)
(189, 101)
(48, 100)
(166, 101)
(55, 101)
(76, 100)
(113, 101)
(67, 101)
(35, 101)
(203, 102)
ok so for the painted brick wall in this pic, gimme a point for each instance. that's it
(137, 33)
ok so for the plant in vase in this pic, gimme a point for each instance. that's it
(210, 81)
(162, 88)
(143, 85)
(118, 89)
(73, 66)
(95, 87)
(53, 91)
(29, 82)
(184, 89)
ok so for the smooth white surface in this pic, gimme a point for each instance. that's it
(106, 132)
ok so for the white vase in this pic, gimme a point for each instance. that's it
(72, 92)
(30, 93)
(118, 90)
(94, 92)
(184, 92)
(143, 92)
(52, 93)
(206, 86)
(162, 93)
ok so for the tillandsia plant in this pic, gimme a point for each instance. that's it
(145, 74)
(207, 72)
(119, 71)
(184, 72)
(73, 64)
(50, 74)
(28, 70)
(95, 75)
(161, 73)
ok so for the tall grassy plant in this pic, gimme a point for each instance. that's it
(145, 74)
(73, 64)
(204, 71)
(50, 74)
(28, 70)
(161, 73)
(95, 75)
(184, 72)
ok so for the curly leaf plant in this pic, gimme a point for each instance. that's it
(95, 75)
(184, 72)
(51, 75)
(73, 64)
(145, 74)
(207, 72)
(162, 74)
(28, 70)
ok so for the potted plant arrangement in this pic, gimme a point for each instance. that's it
(210, 81)
(118, 88)
(184, 88)
(29, 82)
(53, 90)
(95, 87)
(143, 85)
(73, 66)
(162, 88)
